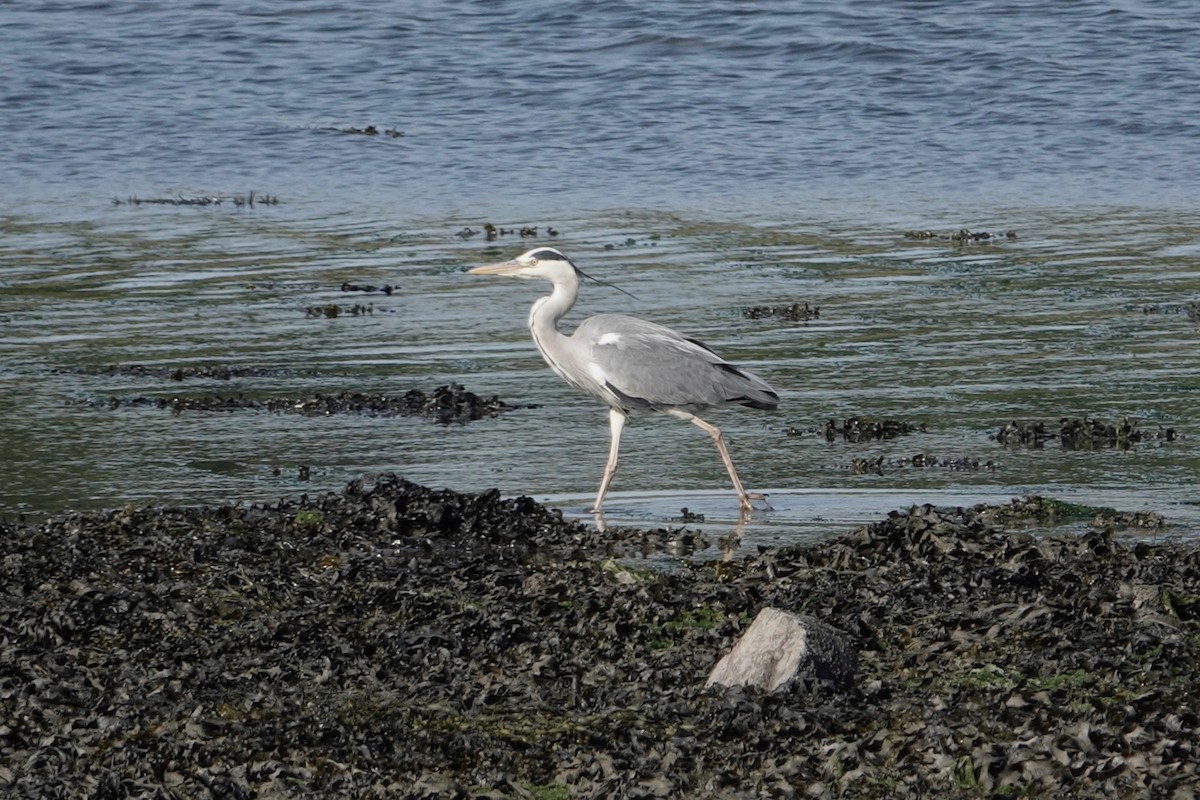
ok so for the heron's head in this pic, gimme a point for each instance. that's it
(541, 262)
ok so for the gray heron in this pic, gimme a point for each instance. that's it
(630, 364)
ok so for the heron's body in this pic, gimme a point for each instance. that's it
(631, 364)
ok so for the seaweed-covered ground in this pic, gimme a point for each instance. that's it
(394, 641)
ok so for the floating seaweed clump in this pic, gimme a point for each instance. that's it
(1082, 433)
(1192, 309)
(446, 404)
(962, 236)
(334, 310)
(492, 232)
(866, 429)
(365, 130)
(394, 641)
(857, 429)
(877, 464)
(796, 312)
(387, 288)
(251, 199)
(220, 372)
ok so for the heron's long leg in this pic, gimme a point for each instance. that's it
(616, 422)
(715, 433)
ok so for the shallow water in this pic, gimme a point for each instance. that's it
(705, 159)
(1062, 321)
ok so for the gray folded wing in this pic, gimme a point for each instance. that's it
(646, 366)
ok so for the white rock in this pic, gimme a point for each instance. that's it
(778, 646)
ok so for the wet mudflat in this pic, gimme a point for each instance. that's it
(394, 641)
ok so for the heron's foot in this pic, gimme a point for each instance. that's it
(748, 504)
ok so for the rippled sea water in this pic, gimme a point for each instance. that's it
(705, 158)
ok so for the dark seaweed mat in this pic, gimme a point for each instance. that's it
(394, 641)
(446, 404)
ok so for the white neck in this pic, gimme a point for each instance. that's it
(544, 317)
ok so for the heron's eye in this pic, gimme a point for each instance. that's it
(533, 262)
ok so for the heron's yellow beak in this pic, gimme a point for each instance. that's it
(504, 268)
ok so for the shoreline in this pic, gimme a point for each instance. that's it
(396, 641)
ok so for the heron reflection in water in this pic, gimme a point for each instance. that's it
(632, 365)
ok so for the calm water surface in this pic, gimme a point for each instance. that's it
(704, 158)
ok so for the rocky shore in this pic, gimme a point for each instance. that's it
(392, 641)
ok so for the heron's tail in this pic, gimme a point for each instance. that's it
(747, 389)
